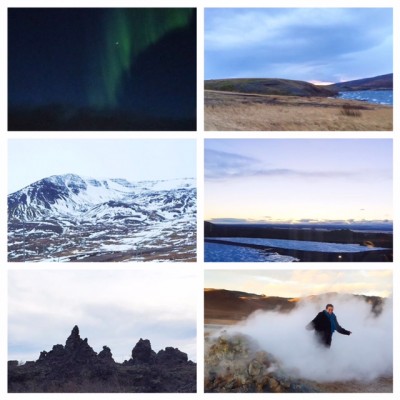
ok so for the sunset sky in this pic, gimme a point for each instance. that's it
(321, 45)
(298, 180)
(297, 283)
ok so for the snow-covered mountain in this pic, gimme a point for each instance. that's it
(71, 218)
(77, 199)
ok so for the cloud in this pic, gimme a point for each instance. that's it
(307, 43)
(225, 164)
(221, 165)
(306, 174)
(114, 308)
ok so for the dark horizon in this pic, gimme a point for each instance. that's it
(302, 225)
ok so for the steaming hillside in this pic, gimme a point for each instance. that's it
(236, 363)
(233, 306)
(256, 343)
(76, 367)
(71, 218)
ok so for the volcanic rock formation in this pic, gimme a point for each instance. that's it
(76, 367)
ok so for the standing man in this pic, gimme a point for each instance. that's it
(324, 324)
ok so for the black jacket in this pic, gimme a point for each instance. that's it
(322, 326)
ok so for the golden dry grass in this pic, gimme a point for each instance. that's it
(227, 111)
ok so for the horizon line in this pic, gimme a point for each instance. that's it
(297, 222)
(209, 289)
(301, 80)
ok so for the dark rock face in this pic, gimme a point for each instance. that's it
(142, 353)
(235, 363)
(106, 355)
(76, 367)
(78, 349)
(171, 356)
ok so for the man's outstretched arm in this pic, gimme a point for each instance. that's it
(340, 329)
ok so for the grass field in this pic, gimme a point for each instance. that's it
(230, 111)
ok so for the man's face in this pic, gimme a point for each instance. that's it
(330, 310)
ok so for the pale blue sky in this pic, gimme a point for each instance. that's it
(298, 180)
(312, 44)
(132, 159)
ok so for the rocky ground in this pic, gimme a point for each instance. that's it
(76, 367)
(85, 243)
(236, 363)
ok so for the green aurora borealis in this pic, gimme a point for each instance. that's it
(127, 33)
(102, 69)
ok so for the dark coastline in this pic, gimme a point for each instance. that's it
(344, 236)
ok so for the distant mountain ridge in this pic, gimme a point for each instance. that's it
(222, 304)
(76, 198)
(381, 82)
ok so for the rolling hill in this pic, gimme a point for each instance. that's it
(288, 87)
(268, 86)
(228, 305)
(381, 82)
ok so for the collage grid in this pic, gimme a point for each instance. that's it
(112, 282)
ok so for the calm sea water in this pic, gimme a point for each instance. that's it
(370, 96)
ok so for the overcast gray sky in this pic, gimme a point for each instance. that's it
(312, 44)
(111, 307)
(30, 160)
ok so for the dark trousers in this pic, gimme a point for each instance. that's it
(324, 338)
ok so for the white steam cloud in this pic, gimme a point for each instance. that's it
(364, 355)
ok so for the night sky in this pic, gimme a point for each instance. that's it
(102, 69)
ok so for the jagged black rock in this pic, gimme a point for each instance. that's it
(76, 367)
